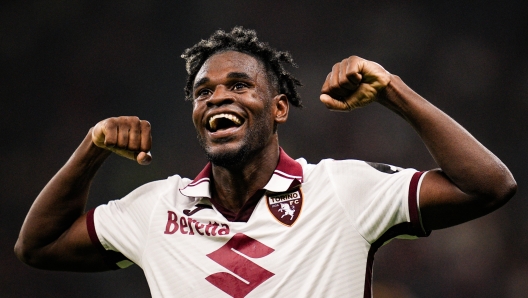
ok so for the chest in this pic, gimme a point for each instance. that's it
(284, 238)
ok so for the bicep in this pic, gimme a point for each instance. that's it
(74, 251)
(443, 204)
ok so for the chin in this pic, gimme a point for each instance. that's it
(225, 155)
(235, 153)
(227, 158)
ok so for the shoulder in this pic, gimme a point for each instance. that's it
(348, 166)
(352, 170)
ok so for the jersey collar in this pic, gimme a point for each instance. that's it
(287, 175)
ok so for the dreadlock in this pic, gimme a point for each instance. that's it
(245, 41)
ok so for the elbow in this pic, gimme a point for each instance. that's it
(24, 254)
(27, 255)
(510, 189)
(504, 191)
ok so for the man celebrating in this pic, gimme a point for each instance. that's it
(255, 222)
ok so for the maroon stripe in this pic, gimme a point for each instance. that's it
(205, 173)
(287, 177)
(111, 258)
(194, 183)
(289, 166)
(91, 231)
(414, 213)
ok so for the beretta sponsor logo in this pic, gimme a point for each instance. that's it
(285, 207)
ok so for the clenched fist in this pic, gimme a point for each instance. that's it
(353, 83)
(126, 136)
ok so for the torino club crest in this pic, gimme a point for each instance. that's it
(286, 207)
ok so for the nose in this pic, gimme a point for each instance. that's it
(220, 96)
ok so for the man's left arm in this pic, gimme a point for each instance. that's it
(471, 181)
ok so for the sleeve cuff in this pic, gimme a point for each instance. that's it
(414, 210)
(115, 260)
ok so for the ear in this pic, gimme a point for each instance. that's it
(282, 108)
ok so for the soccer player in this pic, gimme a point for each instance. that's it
(255, 222)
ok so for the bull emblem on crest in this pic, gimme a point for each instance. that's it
(288, 210)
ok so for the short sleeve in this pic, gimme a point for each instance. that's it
(379, 198)
(120, 227)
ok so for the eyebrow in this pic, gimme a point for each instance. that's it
(231, 75)
(200, 82)
(238, 75)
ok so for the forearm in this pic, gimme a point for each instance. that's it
(61, 202)
(466, 162)
(471, 181)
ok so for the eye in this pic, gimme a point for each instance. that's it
(239, 85)
(202, 93)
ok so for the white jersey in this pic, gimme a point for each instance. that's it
(311, 232)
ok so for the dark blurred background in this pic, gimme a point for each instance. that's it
(65, 65)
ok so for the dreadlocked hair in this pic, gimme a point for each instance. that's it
(244, 41)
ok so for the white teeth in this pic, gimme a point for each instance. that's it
(213, 122)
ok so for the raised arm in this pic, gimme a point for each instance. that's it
(470, 182)
(54, 235)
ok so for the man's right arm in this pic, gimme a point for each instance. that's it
(54, 235)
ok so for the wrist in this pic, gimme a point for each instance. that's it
(90, 154)
(399, 97)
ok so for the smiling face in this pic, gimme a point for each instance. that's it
(235, 110)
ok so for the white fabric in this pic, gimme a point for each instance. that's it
(347, 206)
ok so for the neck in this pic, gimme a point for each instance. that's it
(234, 186)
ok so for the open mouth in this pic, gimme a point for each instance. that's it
(223, 121)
